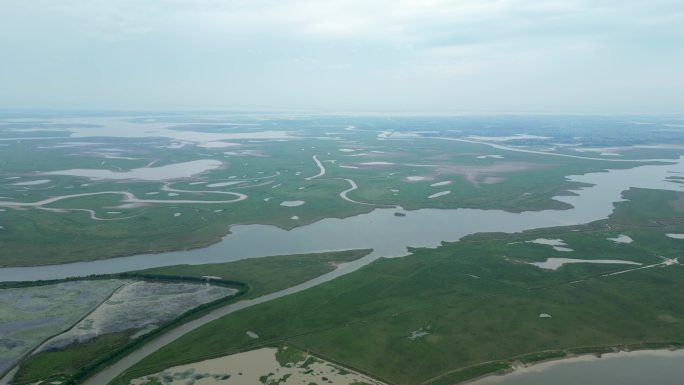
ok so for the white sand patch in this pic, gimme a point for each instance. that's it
(171, 171)
(217, 144)
(556, 263)
(557, 244)
(172, 194)
(385, 134)
(244, 153)
(177, 214)
(544, 315)
(397, 135)
(444, 183)
(490, 156)
(439, 194)
(422, 332)
(108, 156)
(256, 367)
(415, 178)
(347, 150)
(152, 193)
(675, 236)
(376, 164)
(176, 145)
(252, 334)
(294, 218)
(508, 138)
(622, 238)
(32, 182)
(292, 203)
(348, 167)
(222, 184)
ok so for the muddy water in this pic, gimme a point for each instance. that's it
(636, 368)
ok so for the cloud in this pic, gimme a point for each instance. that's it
(401, 53)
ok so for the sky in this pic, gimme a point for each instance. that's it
(403, 56)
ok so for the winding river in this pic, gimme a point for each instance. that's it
(388, 235)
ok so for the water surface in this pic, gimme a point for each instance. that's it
(658, 367)
(381, 230)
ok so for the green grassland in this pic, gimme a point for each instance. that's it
(277, 173)
(264, 275)
(479, 301)
(261, 275)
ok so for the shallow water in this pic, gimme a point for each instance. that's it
(636, 368)
(171, 171)
(380, 229)
(556, 263)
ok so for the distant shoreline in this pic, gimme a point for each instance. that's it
(583, 357)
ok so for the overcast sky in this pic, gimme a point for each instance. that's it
(614, 56)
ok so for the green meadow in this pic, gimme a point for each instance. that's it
(481, 303)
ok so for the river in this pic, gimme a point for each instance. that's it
(380, 230)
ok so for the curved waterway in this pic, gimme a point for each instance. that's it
(380, 230)
(660, 367)
(387, 234)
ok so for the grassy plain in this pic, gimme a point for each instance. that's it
(479, 301)
(265, 275)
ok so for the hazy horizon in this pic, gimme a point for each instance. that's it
(405, 57)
